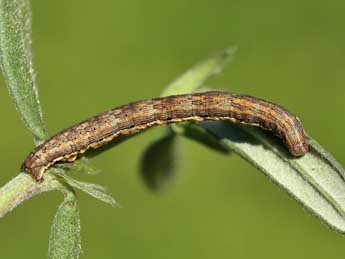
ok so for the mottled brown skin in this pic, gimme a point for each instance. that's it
(136, 116)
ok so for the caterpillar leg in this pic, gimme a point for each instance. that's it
(37, 174)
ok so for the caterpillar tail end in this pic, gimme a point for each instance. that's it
(300, 149)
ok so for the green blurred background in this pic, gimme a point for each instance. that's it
(94, 55)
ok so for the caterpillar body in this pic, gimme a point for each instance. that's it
(137, 116)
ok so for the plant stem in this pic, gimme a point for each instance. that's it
(23, 187)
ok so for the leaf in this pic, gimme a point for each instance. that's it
(158, 162)
(316, 180)
(92, 189)
(196, 76)
(16, 64)
(64, 240)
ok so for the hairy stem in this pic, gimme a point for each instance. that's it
(23, 187)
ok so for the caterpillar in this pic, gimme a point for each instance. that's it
(137, 116)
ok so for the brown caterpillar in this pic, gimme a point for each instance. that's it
(137, 116)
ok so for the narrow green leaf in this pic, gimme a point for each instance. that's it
(92, 189)
(64, 241)
(197, 75)
(315, 180)
(158, 162)
(16, 63)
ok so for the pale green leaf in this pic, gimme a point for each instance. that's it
(16, 64)
(64, 241)
(316, 180)
(92, 189)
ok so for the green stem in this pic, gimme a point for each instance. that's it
(23, 187)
